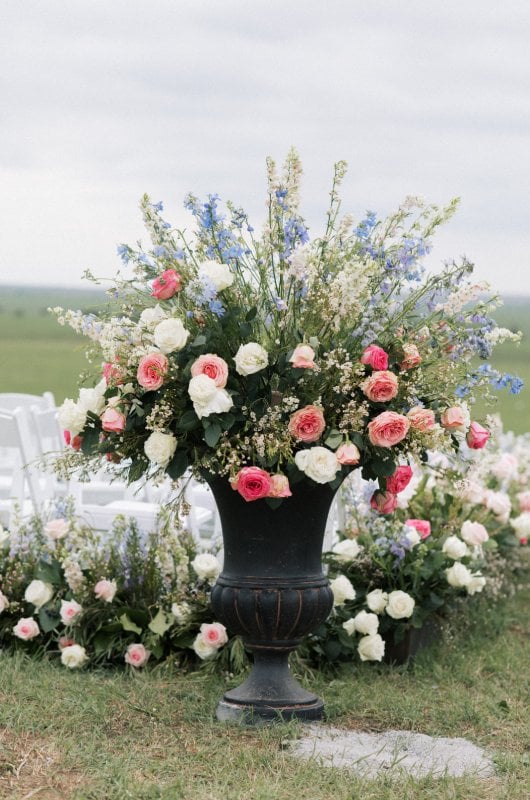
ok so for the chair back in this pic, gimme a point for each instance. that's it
(49, 436)
(11, 400)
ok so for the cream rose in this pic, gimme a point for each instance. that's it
(342, 590)
(105, 590)
(318, 463)
(347, 550)
(220, 275)
(73, 656)
(207, 398)
(371, 648)
(251, 358)
(458, 575)
(400, 605)
(206, 566)
(170, 335)
(454, 548)
(366, 622)
(4, 602)
(473, 533)
(476, 584)
(57, 528)
(377, 600)
(160, 447)
(26, 629)
(349, 626)
(150, 317)
(202, 648)
(93, 399)
(72, 417)
(38, 593)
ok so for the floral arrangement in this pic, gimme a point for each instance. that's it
(277, 358)
(125, 597)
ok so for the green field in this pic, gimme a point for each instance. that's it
(37, 354)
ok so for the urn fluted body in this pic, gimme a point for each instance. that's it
(272, 592)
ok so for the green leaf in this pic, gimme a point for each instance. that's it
(332, 649)
(48, 619)
(188, 421)
(334, 439)
(227, 421)
(199, 341)
(128, 625)
(90, 440)
(245, 329)
(161, 623)
(383, 468)
(274, 502)
(178, 465)
(136, 470)
(251, 314)
(212, 434)
(49, 573)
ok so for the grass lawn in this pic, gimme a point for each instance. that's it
(87, 735)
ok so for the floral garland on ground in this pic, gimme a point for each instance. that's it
(280, 358)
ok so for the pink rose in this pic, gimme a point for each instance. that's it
(307, 424)
(399, 480)
(380, 387)
(113, 420)
(137, 655)
(387, 429)
(213, 366)
(280, 486)
(421, 419)
(348, 453)
(65, 641)
(384, 502)
(423, 526)
(252, 483)
(74, 442)
(477, 436)
(26, 628)
(105, 590)
(166, 285)
(453, 418)
(113, 374)
(152, 370)
(70, 609)
(375, 357)
(303, 357)
(524, 500)
(411, 356)
(214, 634)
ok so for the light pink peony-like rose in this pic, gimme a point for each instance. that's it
(375, 357)
(136, 655)
(26, 629)
(388, 429)
(280, 486)
(524, 500)
(384, 502)
(348, 453)
(411, 356)
(152, 370)
(214, 634)
(421, 419)
(307, 424)
(303, 357)
(252, 483)
(477, 436)
(380, 387)
(213, 366)
(113, 374)
(113, 420)
(57, 528)
(105, 590)
(423, 526)
(69, 611)
(473, 533)
(399, 480)
(453, 418)
(166, 285)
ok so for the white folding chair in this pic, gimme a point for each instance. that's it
(203, 521)
(15, 487)
(11, 400)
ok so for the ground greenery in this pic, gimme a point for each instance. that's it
(39, 355)
(86, 735)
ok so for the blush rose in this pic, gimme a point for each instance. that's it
(375, 357)
(152, 370)
(388, 429)
(423, 526)
(380, 386)
(166, 285)
(477, 436)
(213, 366)
(303, 357)
(384, 502)
(113, 420)
(252, 483)
(421, 419)
(399, 480)
(307, 424)
(411, 356)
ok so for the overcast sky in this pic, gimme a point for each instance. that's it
(102, 100)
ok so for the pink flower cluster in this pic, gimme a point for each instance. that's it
(254, 483)
(385, 502)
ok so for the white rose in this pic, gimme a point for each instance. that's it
(521, 525)
(181, 612)
(377, 600)
(454, 547)
(57, 528)
(202, 648)
(160, 447)
(349, 626)
(207, 398)
(317, 463)
(342, 590)
(26, 629)
(499, 503)
(412, 536)
(472, 492)
(251, 358)
(69, 611)
(4, 602)
(206, 566)
(473, 533)
(150, 317)
(38, 593)
(366, 623)
(73, 656)
(220, 275)
(505, 468)
(93, 399)
(400, 605)
(71, 417)
(371, 648)
(170, 335)
(458, 575)
(347, 550)
(476, 584)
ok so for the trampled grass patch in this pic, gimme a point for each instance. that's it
(87, 735)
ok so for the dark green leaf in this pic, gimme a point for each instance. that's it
(212, 434)
(49, 573)
(188, 421)
(178, 465)
(251, 314)
(90, 441)
(48, 619)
